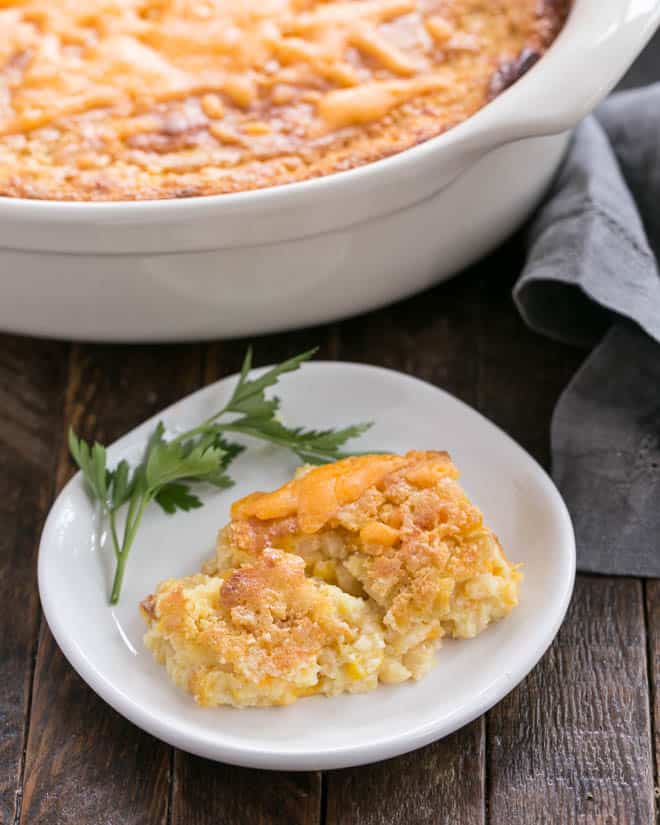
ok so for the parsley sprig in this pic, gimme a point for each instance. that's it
(202, 455)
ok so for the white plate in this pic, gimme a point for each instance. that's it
(105, 645)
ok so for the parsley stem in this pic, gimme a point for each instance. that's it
(118, 579)
(201, 428)
(129, 516)
(113, 531)
(133, 519)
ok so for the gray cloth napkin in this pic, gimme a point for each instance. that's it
(591, 278)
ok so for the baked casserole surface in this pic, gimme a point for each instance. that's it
(144, 99)
(349, 575)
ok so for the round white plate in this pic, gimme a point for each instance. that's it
(105, 644)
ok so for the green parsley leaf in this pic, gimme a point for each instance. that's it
(120, 484)
(169, 461)
(92, 463)
(176, 496)
(248, 396)
(231, 450)
(220, 480)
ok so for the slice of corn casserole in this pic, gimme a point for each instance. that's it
(263, 634)
(391, 540)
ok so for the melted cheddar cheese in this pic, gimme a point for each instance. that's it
(126, 99)
(316, 496)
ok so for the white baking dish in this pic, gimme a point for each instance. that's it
(255, 262)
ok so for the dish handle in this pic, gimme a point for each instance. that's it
(584, 64)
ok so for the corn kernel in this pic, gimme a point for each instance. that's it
(325, 570)
(393, 672)
(224, 135)
(212, 106)
(353, 671)
(257, 128)
(439, 29)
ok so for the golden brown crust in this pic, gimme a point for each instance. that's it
(143, 99)
(409, 539)
(263, 633)
(349, 574)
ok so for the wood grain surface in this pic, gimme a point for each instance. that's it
(442, 783)
(32, 381)
(574, 738)
(205, 792)
(577, 742)
(84, 763)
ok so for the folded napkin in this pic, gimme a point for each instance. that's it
(591, 278)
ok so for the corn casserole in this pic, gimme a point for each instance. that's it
(349, 575)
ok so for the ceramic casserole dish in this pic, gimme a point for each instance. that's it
(309, 252)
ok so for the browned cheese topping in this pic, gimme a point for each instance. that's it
(139, 99)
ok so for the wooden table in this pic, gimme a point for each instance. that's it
(577, 742)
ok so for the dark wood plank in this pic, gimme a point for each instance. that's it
(206, 793)
(31, 395)
(652, 593)
(572, 743)
(222, 358)
(441, 784)
(84, 763)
